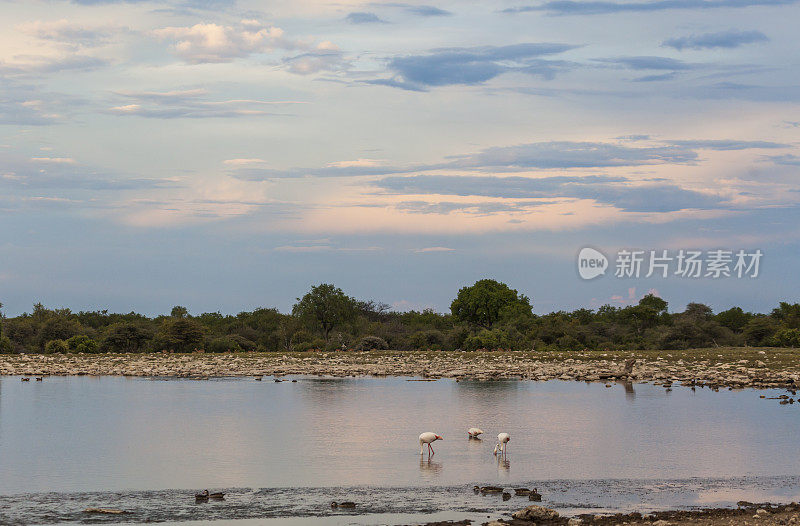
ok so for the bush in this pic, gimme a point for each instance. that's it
(787, 338)
(224, 344)
(430, 339)
(82, 344)
(56, 346)
(313, 345)
(487, 339)
(372, 343)
(5, 345)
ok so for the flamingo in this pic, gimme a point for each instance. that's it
(502, 440)
(428, 438)
(473, 432)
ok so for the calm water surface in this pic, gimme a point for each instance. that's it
(285, 450)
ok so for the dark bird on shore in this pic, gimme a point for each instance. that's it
(25, 379)
(205, 495)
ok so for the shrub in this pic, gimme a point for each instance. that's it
(487, 339)
(372, 343)
(82, 344)
(313, 345)
(787, 338)
(430, 339)
(5, 345)
(233, 343)
(56, 346)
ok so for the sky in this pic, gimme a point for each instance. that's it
(230, 154)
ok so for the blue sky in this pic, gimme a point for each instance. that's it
(228, 154)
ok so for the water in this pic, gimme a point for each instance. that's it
(286, 450)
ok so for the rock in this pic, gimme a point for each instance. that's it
(574, 521)
(661, 522)
(762, 511)
(536, 513)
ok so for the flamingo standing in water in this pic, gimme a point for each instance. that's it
(473, 432)
(502, 440)
(428, 438)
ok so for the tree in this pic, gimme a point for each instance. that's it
(326, 306)
(60, 327)
(179, 335)
(734, 318)
(487, 302)
(125, 337)
(179, 312)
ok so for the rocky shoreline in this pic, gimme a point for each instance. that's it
(746, 513)
(714, 368)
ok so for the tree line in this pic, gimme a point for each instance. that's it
(486, 315)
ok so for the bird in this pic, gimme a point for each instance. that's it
(428, 438)
(473, 432)
(502, 440)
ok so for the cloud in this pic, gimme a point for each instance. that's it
(567, 154)
(427, 250)
(726, 145)
(204, 43)
(417, 10)
(41, 65)
(618, 192)
(648, 62)
(473, 208)
(243, 162)
(785, 160)
(67, 175)
(25, 104)
(725, 39)
(68, 33)
(573, 7)
(53, 160)
(427, 10)
(356, 163)
(469, 66)
(364, 18)
(548, 155)
(325, 57)
(190, 104)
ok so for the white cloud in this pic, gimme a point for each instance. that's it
(243, 162)
(71, 34)
(433, 249)
(53, 160)
(211, 42)
(356, 163)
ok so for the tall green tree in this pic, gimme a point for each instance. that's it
(327, 307)
(487, 302)
(179, 335)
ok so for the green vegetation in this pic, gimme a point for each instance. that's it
(488, 315)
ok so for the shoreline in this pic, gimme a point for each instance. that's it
(716, 368)
(746, 513)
